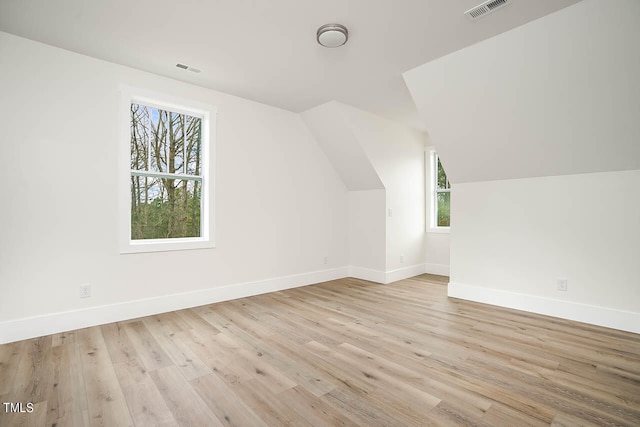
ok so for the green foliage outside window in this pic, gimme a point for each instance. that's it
(444, 201)
(166, 182)
(443, 197)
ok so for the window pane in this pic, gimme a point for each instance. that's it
(158, 143)
(443, 183)
(139, 137)
(165, 208)
(160, 139)
(194, 146)
(443, 204)
(176, 142)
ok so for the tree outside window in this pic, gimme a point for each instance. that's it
(166, 173)
(442, 194)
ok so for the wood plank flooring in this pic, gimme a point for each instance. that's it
(341, 353)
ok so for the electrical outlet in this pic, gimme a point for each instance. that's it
(562, 285)
(326, 260)
(85, 291)
(390, 212)
(401, 259)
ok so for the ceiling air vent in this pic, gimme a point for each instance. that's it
(485, 8)
(186, 67)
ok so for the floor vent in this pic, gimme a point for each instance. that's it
(485, 8)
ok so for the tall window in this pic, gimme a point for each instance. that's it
(166, 174)
(168, 177)
(441, 194)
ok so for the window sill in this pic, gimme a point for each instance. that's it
(165, 245)
(439, 230)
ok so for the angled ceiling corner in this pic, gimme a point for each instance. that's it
(329, 126)
(556, 96)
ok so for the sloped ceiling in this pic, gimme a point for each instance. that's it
(332, 131)
(557, 96)
(266, 50)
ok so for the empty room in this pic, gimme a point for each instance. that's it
(320, 213)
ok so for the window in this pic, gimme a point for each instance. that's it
(440, 195)
(167, 176)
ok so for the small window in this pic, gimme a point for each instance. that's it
(443, 195)
(168, 182)
(440, 195)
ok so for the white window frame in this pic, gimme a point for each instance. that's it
(431, 159)
(207, 113)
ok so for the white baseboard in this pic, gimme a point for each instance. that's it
(438, 269)
(404, 273)
(376, 276)
(385, 277)
(594, 315)
(31, 327)
(36, 326)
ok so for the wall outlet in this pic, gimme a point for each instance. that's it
(562, 285)
(85, 291)
(390, 212)
(326, 260)
(401, 259)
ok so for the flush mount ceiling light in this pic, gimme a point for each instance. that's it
(332, 35)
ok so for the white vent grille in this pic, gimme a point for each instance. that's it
(186, 67)
(485, 8)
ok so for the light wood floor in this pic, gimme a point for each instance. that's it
(346, 352)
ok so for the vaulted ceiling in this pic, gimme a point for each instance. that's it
(266, 50)
(557, 96)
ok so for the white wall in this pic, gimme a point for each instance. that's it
(367, 195)
(381, 161)
(280, 207)
(396, 152)
(437, 253)
(367, 235)
(513, 239)
(557, 97)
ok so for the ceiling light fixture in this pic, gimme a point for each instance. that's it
(332, 35)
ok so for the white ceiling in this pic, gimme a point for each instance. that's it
(266, 50)
(563, 98)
